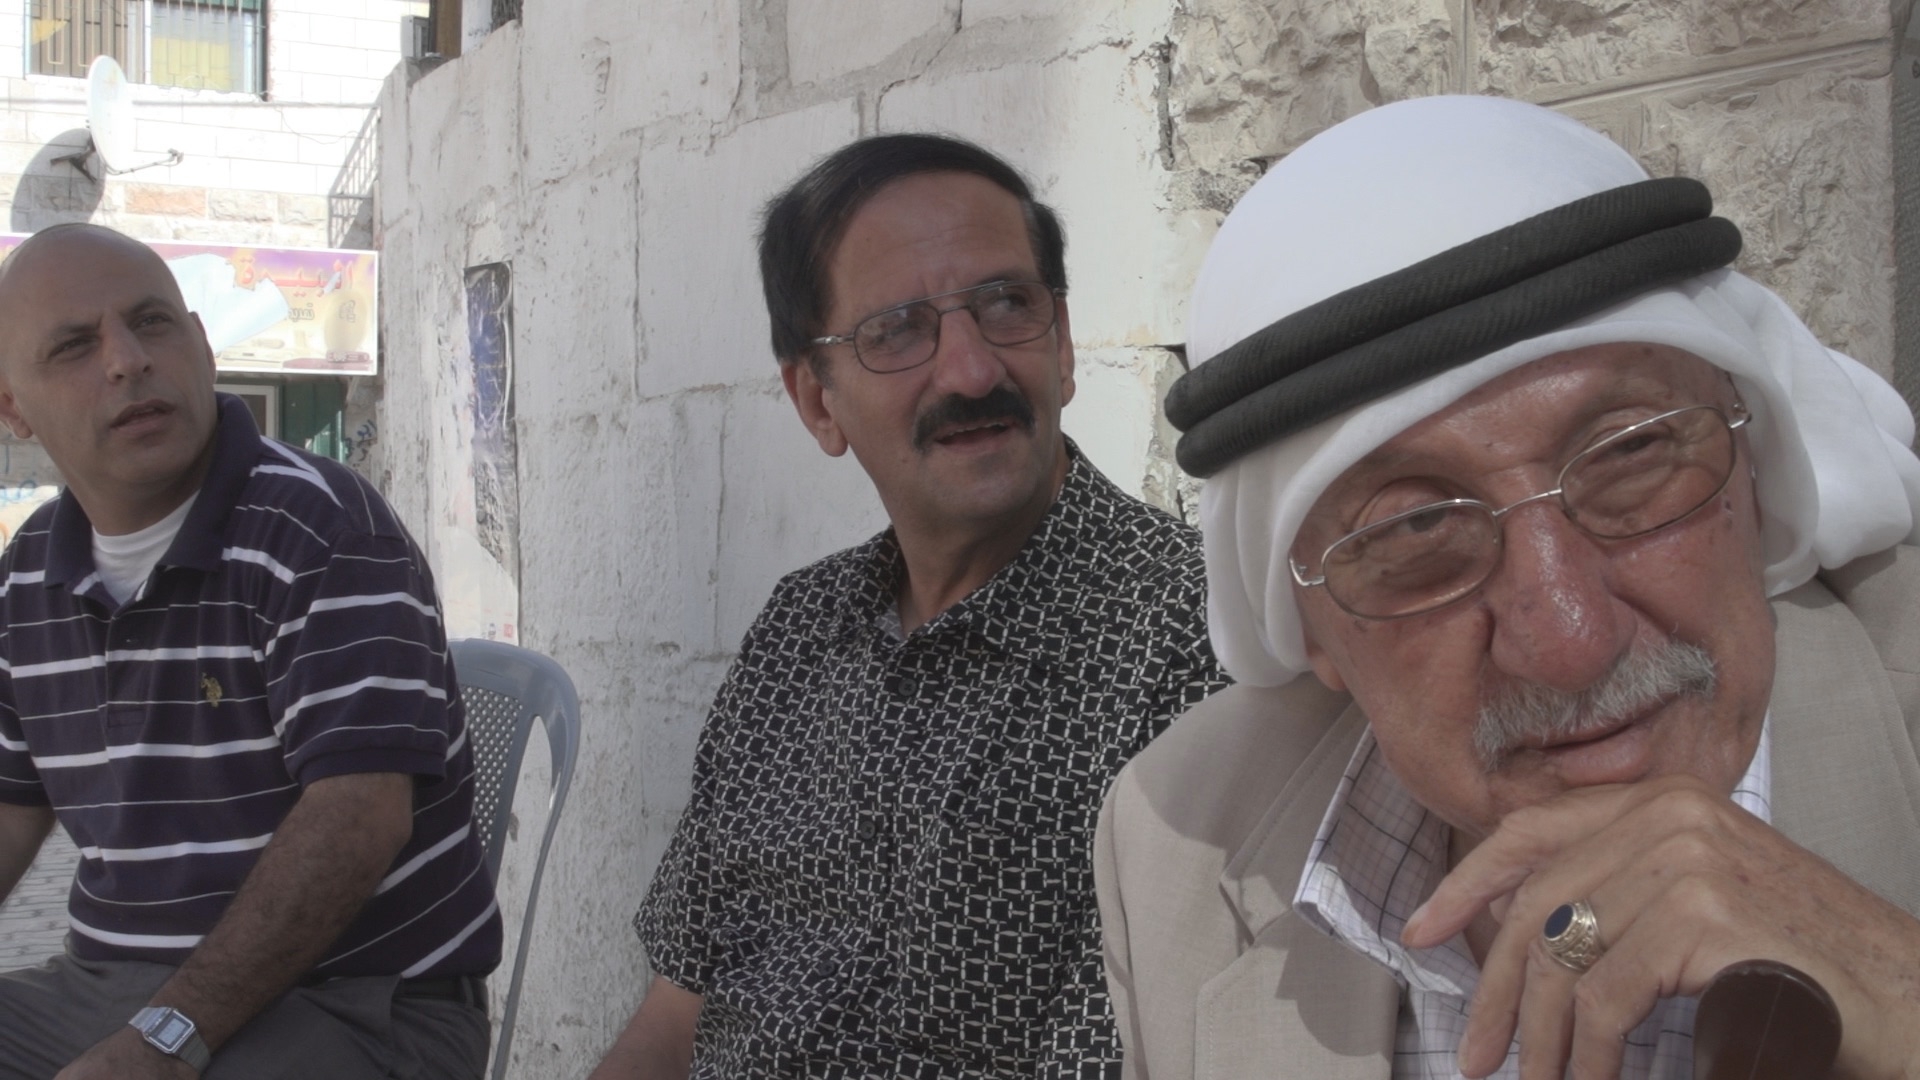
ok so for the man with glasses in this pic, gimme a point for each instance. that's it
(1567, 582)
(885, 868)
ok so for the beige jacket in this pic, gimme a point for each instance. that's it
(1203, 837)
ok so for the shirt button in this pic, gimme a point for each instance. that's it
(826, 969)
(865, 830)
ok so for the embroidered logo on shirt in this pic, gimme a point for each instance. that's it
(210, 686)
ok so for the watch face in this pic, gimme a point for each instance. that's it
(172, 1030)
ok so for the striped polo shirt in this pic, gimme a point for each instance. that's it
(290, 633)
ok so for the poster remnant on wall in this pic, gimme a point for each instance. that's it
(481, 544)
(269, 309)
(27, 479)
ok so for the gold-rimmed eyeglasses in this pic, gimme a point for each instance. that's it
(1642, 478)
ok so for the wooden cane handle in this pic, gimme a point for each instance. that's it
(1762, 1020)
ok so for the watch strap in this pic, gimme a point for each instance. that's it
(190, 1047)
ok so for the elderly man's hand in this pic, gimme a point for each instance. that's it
(125, 1055)
(1682, 882)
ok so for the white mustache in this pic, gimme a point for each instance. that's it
(1530, 712)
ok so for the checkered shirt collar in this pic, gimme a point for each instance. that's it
(1379, 854)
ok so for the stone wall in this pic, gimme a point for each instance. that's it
(616, 159)
(1783, 107)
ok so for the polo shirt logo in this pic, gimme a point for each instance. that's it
(210, 686)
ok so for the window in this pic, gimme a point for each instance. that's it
(202, 44)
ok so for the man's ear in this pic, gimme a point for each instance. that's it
(1063, 328)
(10, 415)
(809, 397)
(10, 412)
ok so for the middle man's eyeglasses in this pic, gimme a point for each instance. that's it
(907, 335)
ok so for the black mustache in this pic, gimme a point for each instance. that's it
(1001, 403)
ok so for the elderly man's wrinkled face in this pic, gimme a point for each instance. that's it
(1579, 660)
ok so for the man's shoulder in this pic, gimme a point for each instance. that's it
(824, 580)
(1212, 776)
(1882, 591)
(1127, 537)
(295, 492)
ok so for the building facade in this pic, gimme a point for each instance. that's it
(252, 123)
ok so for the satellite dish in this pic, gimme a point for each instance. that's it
(110, 114)
(110, 123)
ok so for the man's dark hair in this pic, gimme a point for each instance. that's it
(804, 223)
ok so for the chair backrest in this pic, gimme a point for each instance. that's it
(505, 688)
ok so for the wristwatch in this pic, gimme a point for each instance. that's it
(169, 1031)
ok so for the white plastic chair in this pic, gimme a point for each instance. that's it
(504, 688)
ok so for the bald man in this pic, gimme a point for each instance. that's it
(225, 675)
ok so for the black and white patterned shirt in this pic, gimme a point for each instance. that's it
(885, 869)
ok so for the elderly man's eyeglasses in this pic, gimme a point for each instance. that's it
(906, 336)
(1643, 477)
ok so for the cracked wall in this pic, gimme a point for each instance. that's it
(616, 156)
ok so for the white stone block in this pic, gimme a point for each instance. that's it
(640, 64)
(1071, 24)
(267, 146)
(276, 176)
(785, 503)
(574, 289)
(1085, 130)
(331, 30)
(379, 35)
(287, 33)
(156, 137)
(702, 315)
(1113, 414)
(462, 116)
(830, 38)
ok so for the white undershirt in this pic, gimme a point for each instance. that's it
(124, 562)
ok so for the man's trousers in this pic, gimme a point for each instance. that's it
(342, 1029)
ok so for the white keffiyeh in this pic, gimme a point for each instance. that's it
(1835, 476)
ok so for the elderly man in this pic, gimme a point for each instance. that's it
(224, 674)
(885, 869)
(1504, 470)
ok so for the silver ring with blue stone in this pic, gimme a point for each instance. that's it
(1572, 936)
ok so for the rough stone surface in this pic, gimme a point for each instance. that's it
(243, 205)
(300, 211)
(154, 199)
(1548, 50)
(1799, 159)
(1252, 79)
